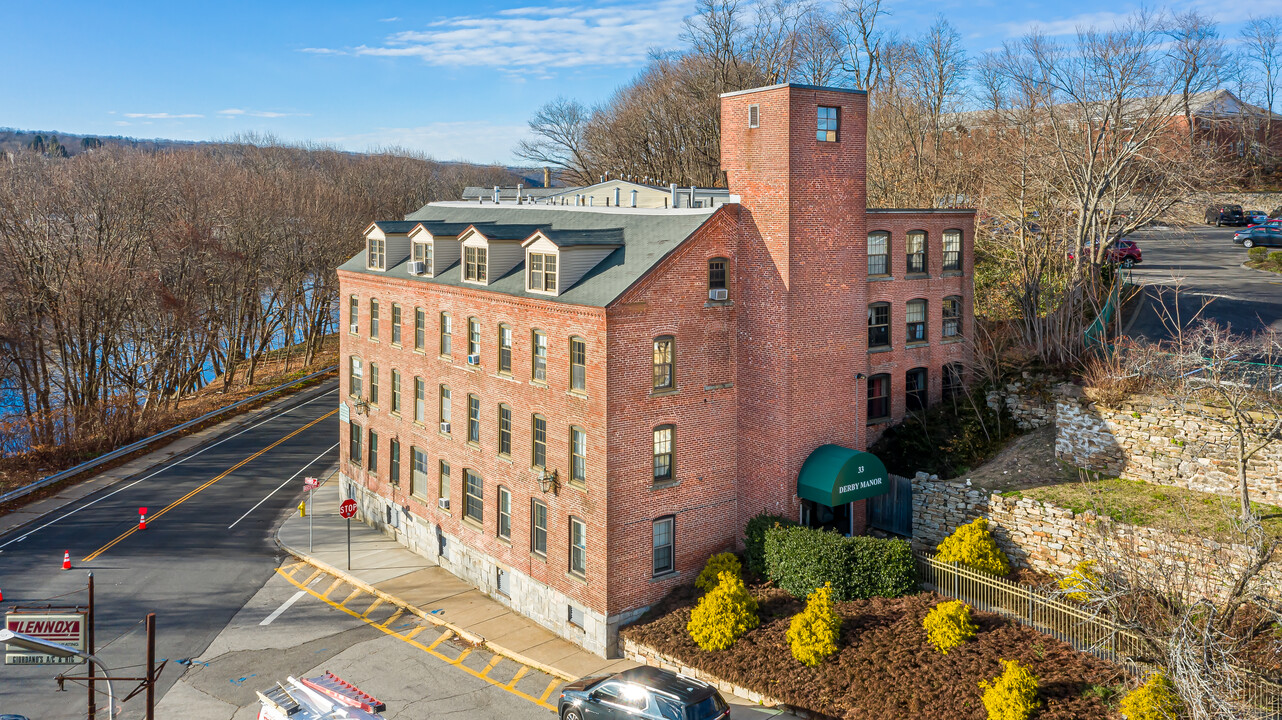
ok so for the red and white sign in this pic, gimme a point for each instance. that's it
(142, 511)
(347, 509)
(311, 482)
(62, 628)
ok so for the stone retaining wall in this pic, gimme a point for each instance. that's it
(1030, 400)
(1143, 440)
(1050, 539)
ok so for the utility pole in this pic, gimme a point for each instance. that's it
(151, 666)
(90, 650)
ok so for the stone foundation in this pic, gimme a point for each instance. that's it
(598, 634)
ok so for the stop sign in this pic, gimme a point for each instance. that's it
(347, 509)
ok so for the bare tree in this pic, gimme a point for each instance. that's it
(861, 41)
(559, 131)
(1197, 57)
(1262, 49)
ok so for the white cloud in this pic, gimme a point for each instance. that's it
(164, 115)
(123, 123)
(608, 34)
(323, 51)
(477, 141)
(390, 19)
(1102, 20)
(238, 112)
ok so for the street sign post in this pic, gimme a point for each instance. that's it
(348, 510)
(311, 484)
(64, 628)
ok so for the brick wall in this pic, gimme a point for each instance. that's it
(673, 300)
(561, 408)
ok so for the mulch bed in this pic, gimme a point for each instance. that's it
(884, 668)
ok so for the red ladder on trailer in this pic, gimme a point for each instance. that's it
(334, 687)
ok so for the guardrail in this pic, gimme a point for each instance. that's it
(119, 452)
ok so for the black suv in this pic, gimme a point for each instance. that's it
(1225, 215)
(642, 692)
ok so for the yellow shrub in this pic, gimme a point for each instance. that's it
(1082, 582)
(948, 625)
(973, 546)
(813, 632)
(1154, 700)
(1012, 695)
(723, 614)
(717, 564)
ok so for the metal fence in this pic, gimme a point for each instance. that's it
(1066, 622)
(119, 452)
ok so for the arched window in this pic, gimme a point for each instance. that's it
(879, 253)
(915, 389)
(879, 325)
(916, 321)
(952, 250)
(878, 398)
(915, 247)
(665, 363)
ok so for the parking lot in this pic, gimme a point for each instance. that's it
(1194, 273)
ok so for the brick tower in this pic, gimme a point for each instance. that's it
(795, 155)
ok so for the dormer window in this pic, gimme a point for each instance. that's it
(376, 253)
(542, 272)
(422, 252)
(474, 264)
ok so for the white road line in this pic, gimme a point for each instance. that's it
(278, 487)
(60, 518)
(283, 607)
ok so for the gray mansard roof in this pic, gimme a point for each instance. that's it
(643, 238)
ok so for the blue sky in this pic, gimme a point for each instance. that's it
(454, 80)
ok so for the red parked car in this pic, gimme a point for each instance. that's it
(1120, 252)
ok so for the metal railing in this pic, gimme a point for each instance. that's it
(1067, 622)
(122, 451)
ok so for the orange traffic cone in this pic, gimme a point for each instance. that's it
(66, 560)
(1, 596)
(142, 522)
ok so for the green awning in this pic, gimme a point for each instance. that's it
(834, 475)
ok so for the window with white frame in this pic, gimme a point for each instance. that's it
(578, 547)
(505, 513)
(578, 456)
(952, 250)
(373, 319)
(423, 253)
(542, 272)
(473, 496)
(447, 335)
(418, 472)
(916, 321)
(474, 264)
(539, 353)
(915, 248)
(663, 452)
(538, 528)
(578, 364)
(505, 349)
(377, 253)
(420, 400)
(663, 544)
(878, 253)
(355, 376)
(444, 407)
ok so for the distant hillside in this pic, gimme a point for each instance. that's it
(12, 140)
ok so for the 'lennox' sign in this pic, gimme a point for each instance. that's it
(62, 628)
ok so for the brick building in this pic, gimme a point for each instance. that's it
(574, 407)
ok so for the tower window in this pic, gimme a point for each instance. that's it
(829, 117)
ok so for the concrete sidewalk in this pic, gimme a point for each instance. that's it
(75, 490)
(388, 569)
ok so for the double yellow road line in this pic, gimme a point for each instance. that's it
(193, 493)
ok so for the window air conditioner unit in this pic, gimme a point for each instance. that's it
(355, 328)
(474, 359)
(418, 267)
(718, 294)
(445, 427)
(443, 503)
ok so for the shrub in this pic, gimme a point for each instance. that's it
(723, 615)
(1012, 695)
(814, 631)
(946, 439)
(973, 545)
(1082, 582)
(717, 564)
(1275, 258)
(801, 560)
(1257, 254)
(1154, 700)
(948, 625)
(754, 540)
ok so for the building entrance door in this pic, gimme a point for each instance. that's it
(821, 517)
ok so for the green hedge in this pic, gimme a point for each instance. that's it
(754, 541)
(800, 559)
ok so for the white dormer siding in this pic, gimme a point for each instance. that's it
(572, 262)
(501, 255)
(445, 249)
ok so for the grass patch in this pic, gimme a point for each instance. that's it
(1141, 503)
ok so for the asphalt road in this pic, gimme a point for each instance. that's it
(206, 551)
(1196, 273)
